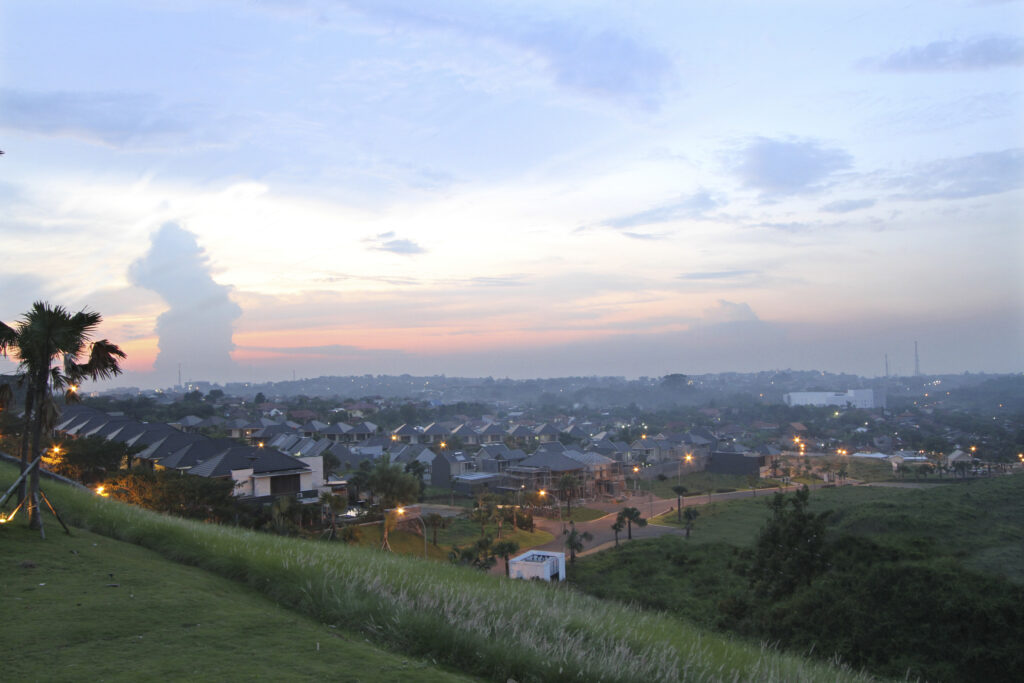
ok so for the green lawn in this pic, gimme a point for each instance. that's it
(698, 483)
(86, 607)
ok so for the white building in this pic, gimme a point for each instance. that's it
(852, 398)
(538, 564)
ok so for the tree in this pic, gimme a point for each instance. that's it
(574, 540)
(434, 522)
(505, 550)
(691, 515)
(617, 527)
(174, 493)
(631, 516)
(566, 486)
(260, 399)
(90, 459)
(679, 491)
(790, 549)
(393, 487)
(482, 514)
(351, 533)
(418, 470)
(55, 352)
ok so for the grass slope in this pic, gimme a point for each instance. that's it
(926, 581)
(86, 607)
(480, 623)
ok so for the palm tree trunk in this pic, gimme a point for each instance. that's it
(30, 400)
(35, 518)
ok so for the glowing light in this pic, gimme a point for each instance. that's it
(444, 445)
(102, 491)
(73, 388)
(401, 511)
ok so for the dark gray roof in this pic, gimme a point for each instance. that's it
(556, 462)
(261, 460)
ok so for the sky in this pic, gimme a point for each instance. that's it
(251, 191)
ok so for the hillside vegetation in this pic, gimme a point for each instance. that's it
(926, 582)
(86, 608)
(476, 622)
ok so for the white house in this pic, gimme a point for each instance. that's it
(538, 564)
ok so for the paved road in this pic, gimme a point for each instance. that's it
(649, 506)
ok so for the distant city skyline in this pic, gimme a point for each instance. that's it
(523, 189)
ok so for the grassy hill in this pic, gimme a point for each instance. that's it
(475, 622)
(925, 581)
(87, 607)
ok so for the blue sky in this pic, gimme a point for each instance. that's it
(519, 189)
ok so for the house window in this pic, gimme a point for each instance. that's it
(286, 484)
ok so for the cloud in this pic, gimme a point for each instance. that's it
(388, 241)
(607, 63)
(112, 118)
(977, 175)
(717, 275)
(788, 166)
(986, 52)
(725, 312)
(690, 206)
(847, 205)
(196, 331)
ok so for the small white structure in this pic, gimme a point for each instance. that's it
(538, 564)
(853, 398)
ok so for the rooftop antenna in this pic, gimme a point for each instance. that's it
(917, 363)
(887, 366)
(179, 374)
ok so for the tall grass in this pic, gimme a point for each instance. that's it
(480, 623)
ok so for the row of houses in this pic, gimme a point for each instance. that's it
(257, 472)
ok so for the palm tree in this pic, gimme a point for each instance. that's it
(617, 527)
(631, 516)
(45, 335)
(505, 550)
(691, 514)
(575, 539)
(566, 485)
(395, 488)
(679, 491)
(435, 521)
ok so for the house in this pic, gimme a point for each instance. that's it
(747, 464)
(538, 564)
(406, 434)
(545, 433)
(466, 434)
(446, 466)
(492, 433)
(435, 433)
(260, 472)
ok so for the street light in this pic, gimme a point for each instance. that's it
(636, 477)
(401, 511)
(558, 503)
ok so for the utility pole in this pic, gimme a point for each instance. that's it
(917, 363)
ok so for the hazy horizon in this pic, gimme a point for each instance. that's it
(341, 187)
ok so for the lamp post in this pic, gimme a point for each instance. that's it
(401, 512)
(636, 477)
(558, 503)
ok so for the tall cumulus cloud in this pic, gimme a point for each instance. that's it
(196, 330)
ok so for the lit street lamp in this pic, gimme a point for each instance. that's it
(401, 512)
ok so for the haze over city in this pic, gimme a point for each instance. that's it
(252, 190)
